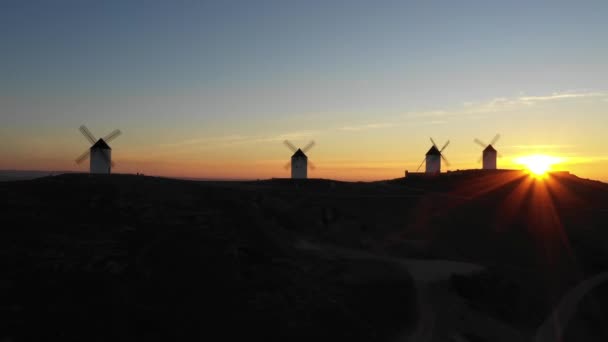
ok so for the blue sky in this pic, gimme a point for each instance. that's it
(175, 71)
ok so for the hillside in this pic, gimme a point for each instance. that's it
(17, 175)
(130, 257)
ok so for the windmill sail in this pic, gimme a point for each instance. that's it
(99, 154)
(299, 162)
(489, 153)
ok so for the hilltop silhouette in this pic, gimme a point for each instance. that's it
(474, 256)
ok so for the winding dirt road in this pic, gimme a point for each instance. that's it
(441, 311)
(555, 324)
(424, 272)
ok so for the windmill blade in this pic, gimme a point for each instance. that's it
(83, 156)
(447, 163)
(479, 160)
(480, 143)
(433, 141)
(112, 135)
(499, 155)
(495, 139)
(311, 165)
(310, 145)
(444, 146)
(87, 134)
(290, 145)
(287, 166)
(423, 160)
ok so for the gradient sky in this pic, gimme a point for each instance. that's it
(210, 89)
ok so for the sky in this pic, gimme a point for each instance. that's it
(211, 89)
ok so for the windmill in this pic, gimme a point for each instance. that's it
(489, 153)
(100, 152)
(433, 158)
(299, 161)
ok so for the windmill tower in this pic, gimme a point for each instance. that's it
(489, 153)
(299, 161)
(100, 153)
(433, 158)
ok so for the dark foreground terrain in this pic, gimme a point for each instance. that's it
(464, 257)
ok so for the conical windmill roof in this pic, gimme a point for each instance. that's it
(433, 151)
(299, 154)
(101, 144)
(489, 149)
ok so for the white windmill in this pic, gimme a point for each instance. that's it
(299, 161)
(433, 158)
(489, 153)
(100, 152)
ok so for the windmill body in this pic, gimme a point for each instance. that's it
(299, 162)
(100, 158)
(433, 160)
(489, 154)
(489, 158)
(100, 153)
(299, 165)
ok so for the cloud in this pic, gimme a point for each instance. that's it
(504, 102)
(426, 114)
(293, 135)
(436, 122)
(540, 147)
(558, 96)
(584, 159)
(231, 140)
(468, 110)
(367, 126)
(471, 109)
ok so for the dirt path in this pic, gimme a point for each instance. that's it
(424, 272)
(447, 317)
(554, 326)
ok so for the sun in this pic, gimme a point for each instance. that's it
(538, 164)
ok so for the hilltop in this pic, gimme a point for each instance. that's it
(122, 257)
(15, 175)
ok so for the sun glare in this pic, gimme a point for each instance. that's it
(538, 165)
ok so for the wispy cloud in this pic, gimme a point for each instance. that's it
(293, 135)
(426, 114)
(231, 140)
(540, 147)
(435, 122)
(396, 123)
(365, 127)
(509, 102)
(582, 159)
(592, 159)
(558, 96)
(475, 109)
(468, 110)
(208, 140)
